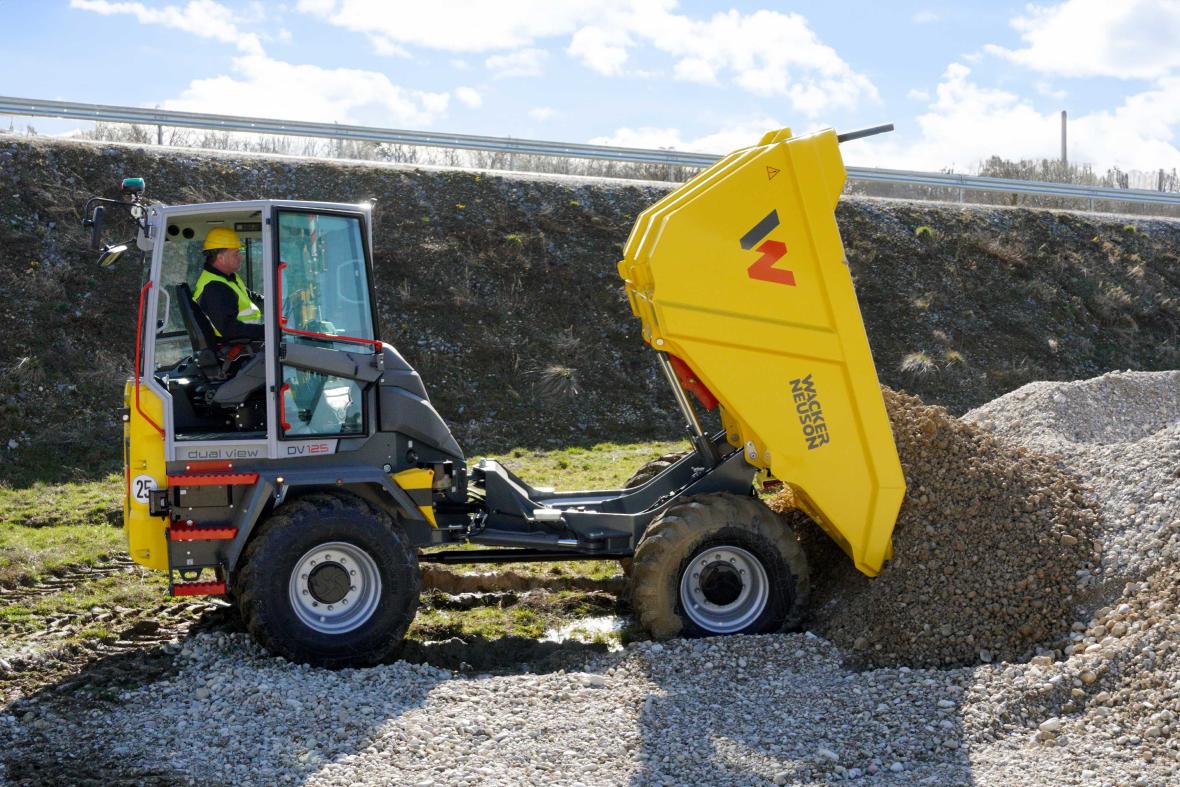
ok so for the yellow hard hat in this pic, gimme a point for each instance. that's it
(222, 238)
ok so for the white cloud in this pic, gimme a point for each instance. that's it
(525, 63)
(696, 69)
(767, 53)
(1047, 90)
(202, 18)
(468, 97)
(917, 94)
(741, 135)
(383, 46)
(463, 25)
(966, 123)
(263, 87)
(321, 7)
(1132, 39)
(925, 17)
(602, 50)
(542, 113)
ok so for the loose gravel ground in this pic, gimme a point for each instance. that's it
(1100, 707)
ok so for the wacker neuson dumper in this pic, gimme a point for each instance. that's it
(301, 474)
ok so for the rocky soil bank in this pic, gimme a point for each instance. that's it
(478, 274)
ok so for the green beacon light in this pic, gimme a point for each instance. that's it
(133, 185)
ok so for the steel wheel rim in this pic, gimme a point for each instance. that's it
(309, 588)
(723, 616)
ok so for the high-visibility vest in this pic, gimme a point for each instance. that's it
(247, 311)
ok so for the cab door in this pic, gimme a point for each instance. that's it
(327, 356)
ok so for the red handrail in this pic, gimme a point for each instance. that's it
(283, 320)
(283, 408)
(138, 356)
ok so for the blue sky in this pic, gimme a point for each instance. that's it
(961, 81)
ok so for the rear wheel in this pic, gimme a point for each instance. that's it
(645, 473)
(719, 564)
(329, 580)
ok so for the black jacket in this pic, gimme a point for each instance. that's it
(220, 304)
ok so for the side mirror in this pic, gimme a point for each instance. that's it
(111, 254)
(95, 225)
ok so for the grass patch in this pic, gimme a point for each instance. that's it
(489, 622)
(47, 527)
(44, 505)
(918, 364)
(531, 617)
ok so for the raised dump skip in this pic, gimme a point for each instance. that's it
(740, 274)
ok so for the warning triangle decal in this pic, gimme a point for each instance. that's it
(771, 172)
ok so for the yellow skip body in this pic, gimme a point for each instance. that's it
(740, 274)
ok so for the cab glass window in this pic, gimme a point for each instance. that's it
(324, 280)
(324, 289)
(182, 262)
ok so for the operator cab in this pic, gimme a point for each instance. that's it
(319, 287)
(217, 386)
(312, 382)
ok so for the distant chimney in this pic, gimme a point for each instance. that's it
(1064, 157)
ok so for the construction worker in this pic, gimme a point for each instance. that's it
(236, 312)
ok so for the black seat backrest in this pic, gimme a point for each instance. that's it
(200, 329)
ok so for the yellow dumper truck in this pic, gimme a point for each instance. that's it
(301, 470)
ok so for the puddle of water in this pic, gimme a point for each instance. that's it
(601, 628)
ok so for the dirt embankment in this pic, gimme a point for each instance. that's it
(502, 291)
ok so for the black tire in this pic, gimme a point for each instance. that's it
(640, 477)
(695, 531)
(266, 584)
(653, 468)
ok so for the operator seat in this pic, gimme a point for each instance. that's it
(235, 375)
(200, 333)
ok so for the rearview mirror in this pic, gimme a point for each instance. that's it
(111, 254)
(95, 225)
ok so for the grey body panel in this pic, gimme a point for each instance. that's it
(365, 367)
(405, 408)
(416, 418)
(247, 380)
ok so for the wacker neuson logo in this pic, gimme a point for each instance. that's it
(810, 411)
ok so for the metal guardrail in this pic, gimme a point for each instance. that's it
(299, 128)
(160, 117)
(1044, 188)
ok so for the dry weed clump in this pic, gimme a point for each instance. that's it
(984, 552)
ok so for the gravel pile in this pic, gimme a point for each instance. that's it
(985, 552)
(1121, 433)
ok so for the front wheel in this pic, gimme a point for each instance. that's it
(719, 564)
(329, 580)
